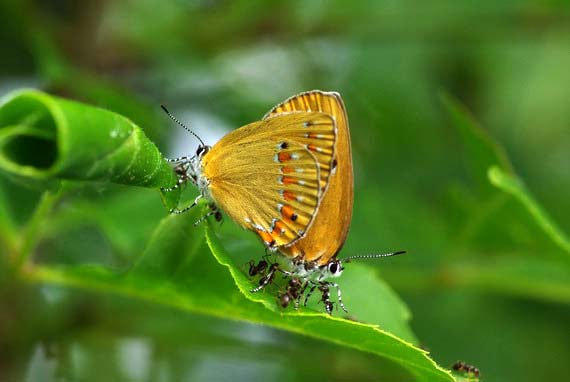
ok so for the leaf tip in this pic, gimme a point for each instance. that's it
(495, 175)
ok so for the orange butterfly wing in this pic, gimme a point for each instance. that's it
(266, 175)
(330, 228)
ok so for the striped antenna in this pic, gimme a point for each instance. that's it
(375, 256)
(181, 124)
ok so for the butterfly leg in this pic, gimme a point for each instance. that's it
(178, 160)
(213, 211)
(177, 211)
(180, 181)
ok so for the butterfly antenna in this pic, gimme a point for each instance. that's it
(181, 124)
(375, 256)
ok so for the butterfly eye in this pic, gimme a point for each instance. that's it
(333, 267)
(202, 150)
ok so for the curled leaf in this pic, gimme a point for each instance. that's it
(46, 137)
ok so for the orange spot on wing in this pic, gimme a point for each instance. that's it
(288, 213)
(287, 169)
(312, 147)
(266, 237)
(288, 195)
(289, 180)
(283, 157)
(278, 228)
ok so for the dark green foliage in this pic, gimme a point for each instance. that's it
(459, 126)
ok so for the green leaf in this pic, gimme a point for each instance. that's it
(491, 213)
(518, 276)
(499, 226)
(481, 151)
(126, 216)
(370, 299)
(509, 275)
(464, 377)
(45, 137)
(178, 270)
(174, 242)
(512, 185)
(367, 297)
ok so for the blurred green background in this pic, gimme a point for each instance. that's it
(483, 281)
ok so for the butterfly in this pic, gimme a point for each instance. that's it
(314, 257)
(289, 179)
(268, 176)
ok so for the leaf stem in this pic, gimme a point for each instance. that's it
(8, 238)
(8, 235)
(514, 186)
(30, 234)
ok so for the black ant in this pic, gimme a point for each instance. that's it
(294, 291)
(267, 278)
(257, 269)
(465, 368)
(324, 288)
(326, 297)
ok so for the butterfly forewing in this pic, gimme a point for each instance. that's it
(267, 177)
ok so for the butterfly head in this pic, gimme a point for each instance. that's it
(202, 150)
(191, 168)
(333, 268)
(194, 171)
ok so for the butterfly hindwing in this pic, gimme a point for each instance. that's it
(267, 177)
(330, 227)
(312, 101)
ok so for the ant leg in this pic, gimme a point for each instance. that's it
(267, 279)
(263, 282)
(298, 299)
(252, 268)
(259, 268)
(313, 287)
(180, 166)
(285, 273)
(335, 285)
(267, 255)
